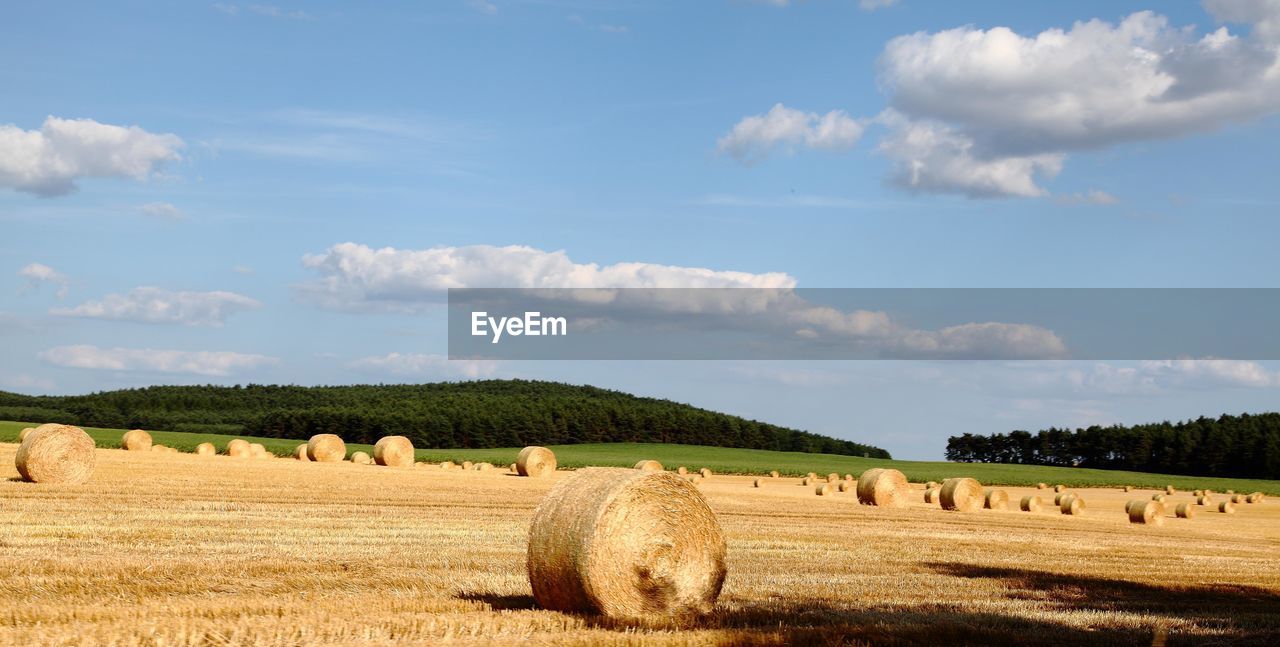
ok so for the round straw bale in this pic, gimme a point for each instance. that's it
(883, 487)
(1159, 497)
(848, 477)
(300, 453)
(812, 475)
(1030, 503)
(1126, 488)
(806, 480)
(535, 461)
(1057, 499)
(930, 485)
(468, 466)
(692, 478)
(136, 440)
(1169, 489)
(833, 477)
(773, 474)
(823, 489)
(1185, 511)
(238, 447)
(758, 483)
(1208, 492)
(682, 470)
(845, 486)
(996, 500)
(206, 449)
(514, 469)
(706, 473)
(56, 454)
(326, 448)
(1237, 498)
(393, 451)
(649, 466)
(484, 467)
(22, 435)
(1253, 498)
(1059, 488)
(361, 458)
(1229, 492)
(931, 495)
(257, 450)
(159, 448)
(1227, 507)
(1145, 513)
(1203, 500)
(1041, 486)
(447, 465)
(961, 494)
(626, 544)
(1071, 504)
(1198, 493)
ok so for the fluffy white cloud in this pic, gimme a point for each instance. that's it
(416, 364)
(39, 273)
(162, 210)
(157, 305)
(212, 363)
(1212, 372)
(755, 137)
(47, 162)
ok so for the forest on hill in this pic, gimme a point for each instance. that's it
(480, 414)
(1243, 446)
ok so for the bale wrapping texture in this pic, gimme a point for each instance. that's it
(1071, 504)
(961, 495)
(1145, 512)
(996, 500)
(393, 451)
(206, 449)
(326, 448)
(1227, 507)
(1030, 503)
(649, 466)
(136, 440)
(535, 462)
(238, 447)
(300, 453)
(56, 454)
(626, 544)
(886, 488)
(361, 458)
(1185, 511)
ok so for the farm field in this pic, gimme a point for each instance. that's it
(178, 549)
(731, 461)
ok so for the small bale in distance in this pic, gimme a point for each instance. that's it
(931, 495)
(823, 489)
(1204, 500)
(1071, 505)
(961, 495)
(448, 465)
(534, 461)
(848, 477)
(773, 474)
(136, 440)
(1030, 503)
(1126, 488)
(300, 453)
(883, 487)
(1237, 499)
(833, 477)
(812, 475)
(1057, 499)
(931, 485)
(514, 469)
(484, 467)
(682, 470)
(22, 435)
(1169, 489)
(1227, 507)
(996, 500)
(1145, 513)
(257, 450)
(705, 472)
(649, 466)
(238, 447)
(1253, 498)
(326, 448)
(758, 483)
(1159, 497)
(159, 448)
(60, 454)
(1198, 493)
(393, 451)
(361, 458)
(845, 486)
(1185, 511)
(206, 449)
(626, 544)
(806, 480)
(1059, 488)
(1041, 486)
(467, 466)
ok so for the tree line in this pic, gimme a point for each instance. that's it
(479, 414)
(1243, 446)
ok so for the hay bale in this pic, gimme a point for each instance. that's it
(931, 495)
(238, 447)
(514, 469)
(626, 544)
(393, 451)
(1059, 488)
(326, 448)
(257, 450)
(1159, 497)
(845, 486)
(1198, 493)
(1237, 499)
(136, 440)
(158, 448)
(448, 465)
(1229, 492)
(1057, 499)
(1030, 503)
(361, 458)
(22, 435)
(1126, 488)
(773, 474)
(649, 466)
(812, 475)
(300, 453)
(995, 500)
(467, 466)
(1256, 497)
(1041, 486)
(1185, 511)
(806, 480)
(1204, 500)
(484, 467)
(1227, 507)
(833, 477)
(758, 483)
(682, 470)
(1145, 513)
(706, 473)
(1071, 504)
(848, 477)
(1169, 489)
(535, 461)
(961, 495)
(883, 487)
(931, 485)
(206, 449)
(823, 489)
(56, 454)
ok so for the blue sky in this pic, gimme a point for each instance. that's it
(179, 183)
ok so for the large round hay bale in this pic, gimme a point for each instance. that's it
(159, 449)
(238, 447)
(705, 472)
(1237, 499)
(1169, 489)
(257, 450)
(1227, 507)
(845, 486)
(56, 454)
(361, 458)
(1145, 512)
(626, 544)
(823, 488)
(535, 461)
(806, 481)
(448, 465)
(484, 467)
(1159, 497)
(1253, 498)
(206, 449)
(995, 500)
(467, 466)
(136, 440)
(1030, 503)
(1071, 504)
(961, 495)
(1204, 500)
(649, 466)
(1057, 499)
(300, 453)
(773, 474)
(393, 451)
(833, 477)
(758, 483)
(1059, 488)
(1185, 511)
(931, 495)
(931, 485)
(883, 487)
(326, 448)
(1041, 486)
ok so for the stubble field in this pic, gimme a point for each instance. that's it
(177, 549)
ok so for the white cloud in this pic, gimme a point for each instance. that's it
(157, 305)
(755, 137)
(483, 6)
(47, 162)
(1212, 372)
(212, 363)
(39, 273)
(1092, 196)
(414, 364)
(162, 210)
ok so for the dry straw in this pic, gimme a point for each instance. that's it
(1204, 500)
(682, 470)
(931, 485)
(484, 467)
(1256, 497)
(326, 448)
(1159, 497)
(931, 495)
(467, 466)
(626, 544)
(1185, 511)
(1237, 498)
(1057, 499)
(806, 480)
(758, 483)
(773, 474)
(159, 448)
(848, 477)
(883, 487)
(812, 475)
(823, 489)
(1198, 493)
(300, 453)
(1059, 488)
(361, 458)
(1071, 504)
(448, 465)
(136, 440)
(833, 477)
(56, 454)
(513, 468)
(393, 451)
(1147, 513)
(1030, 503)
(257, 450)
(961, 495)
(206, 449)
(706, 473)
(649, 466)
(535, 461)
(238, 447)
(1227, 507)
(22, 435)
(996, 500)
(1169, 489)
(1041, 486)
(1126, 488)
(845, 486)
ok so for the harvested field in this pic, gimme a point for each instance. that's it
(177, 549)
